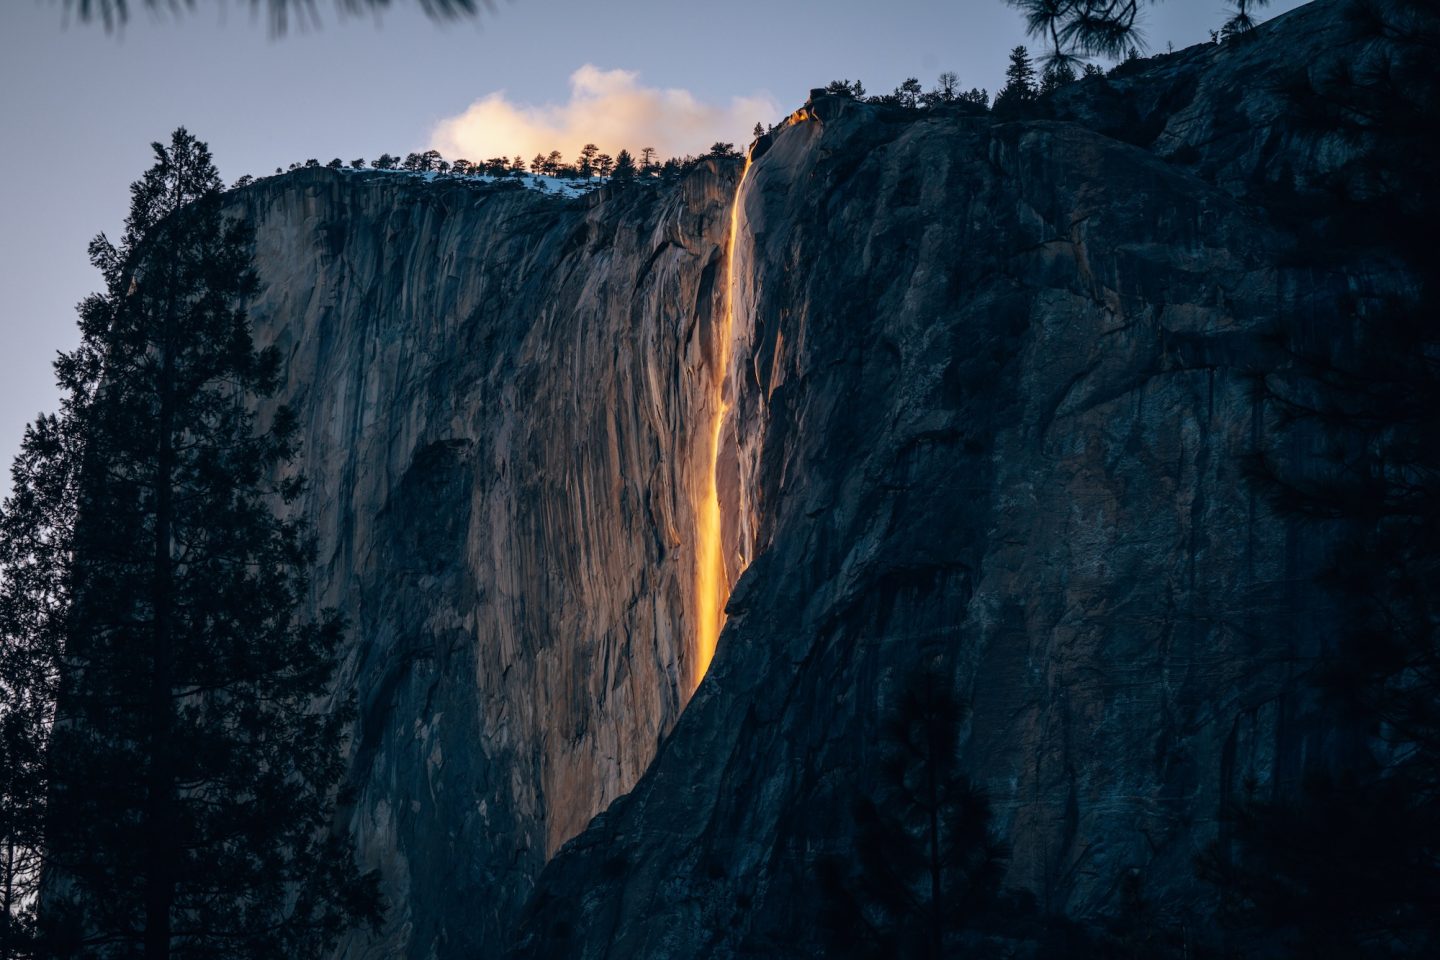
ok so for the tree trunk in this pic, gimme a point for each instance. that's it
(937, 917)
(7, 910)
(159, 894)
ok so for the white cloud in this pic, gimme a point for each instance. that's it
(609, 108)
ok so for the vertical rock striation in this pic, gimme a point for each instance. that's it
(993, 402)
(500, 392)
(987, 402)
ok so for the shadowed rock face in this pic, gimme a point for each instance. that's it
(989, 404)
(993, 402)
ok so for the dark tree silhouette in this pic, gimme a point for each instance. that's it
(1347, 862)
(925, 862)
(1056, 75)
(908, 93)
(279, 13)
(1241, 21)
(844, 88)
(947, 86)
(586, 161)
(36, 525)
(1082, 27)
(624, 167)
(1019, 88)
(191, 782)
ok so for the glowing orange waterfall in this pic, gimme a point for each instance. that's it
(712, 582)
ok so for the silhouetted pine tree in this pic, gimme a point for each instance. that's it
(1073, 28)
(36, 524)
(925, 862)
(624, 167)
(1019, 88)
(191, 774)
(114, 13)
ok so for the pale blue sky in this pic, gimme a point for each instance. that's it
(80, 107)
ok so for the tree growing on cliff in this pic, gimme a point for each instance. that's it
(1056, 75)
(925, 861)
(624, 168)
(1019, 88)
(585, 163)
(976, 95)
(844, 88)
(191, 779)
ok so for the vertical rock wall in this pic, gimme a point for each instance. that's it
(499, 397)
(989, 404)
(993, 404)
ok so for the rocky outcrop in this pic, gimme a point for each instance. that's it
(988, 401)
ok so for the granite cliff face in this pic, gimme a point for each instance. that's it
(500, 392)
(988, 400)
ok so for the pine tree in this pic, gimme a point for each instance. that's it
(624, 167)
(1057, 74)
(586, 162)
(35, 529)
(908, 93)
(1019, 86)
(925, 862)
(1241, 21)
(976, 95)
(1073, 28)
(192, 782)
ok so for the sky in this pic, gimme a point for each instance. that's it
(79, 106)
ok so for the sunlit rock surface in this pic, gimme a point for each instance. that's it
(499, 394)
(989, 403)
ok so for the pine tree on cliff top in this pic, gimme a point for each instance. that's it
(1019, 86)
(192, 780)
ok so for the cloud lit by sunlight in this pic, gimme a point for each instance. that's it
(609, 108)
